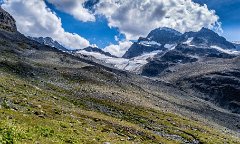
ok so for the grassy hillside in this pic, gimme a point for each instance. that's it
(42, 114)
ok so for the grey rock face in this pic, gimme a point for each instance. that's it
(7, 22)
(207, 37)
(49, 42)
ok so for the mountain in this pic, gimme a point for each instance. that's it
(158, 39)
(49, 42)
(165, 38)
(91, 50)
(176, 48)
(204, 51)
(50, 96)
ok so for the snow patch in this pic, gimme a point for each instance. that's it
(228, 51)
(170, 46)
(149, 43)
(189, 40)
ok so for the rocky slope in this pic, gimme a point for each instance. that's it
(49, 42)
(7, 22)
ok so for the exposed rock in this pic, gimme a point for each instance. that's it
(207, 37)
(97, 50)
(7, 22)
(49, 42)
(164, 36)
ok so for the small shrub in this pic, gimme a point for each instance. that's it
(46, 132)
(6, 136)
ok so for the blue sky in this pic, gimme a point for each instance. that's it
(97, 32)
(228, 11)
(113, 25)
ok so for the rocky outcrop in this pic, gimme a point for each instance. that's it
(7, 22)
(221, 88)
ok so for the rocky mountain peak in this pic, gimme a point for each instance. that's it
(164, 35)
(207, 33)
(95, 50)
(7, 22)
(208, 38)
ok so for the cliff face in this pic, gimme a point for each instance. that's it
(7, 22)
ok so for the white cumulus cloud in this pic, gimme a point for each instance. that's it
(119, 49)
(136, 18)
(74, 8)
(34, 19)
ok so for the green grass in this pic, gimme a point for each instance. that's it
(31, 114)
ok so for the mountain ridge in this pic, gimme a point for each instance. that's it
(94, 49)
(49, 42)
(167, 36)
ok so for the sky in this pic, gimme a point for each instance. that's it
(114, 24)
(228, 12)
